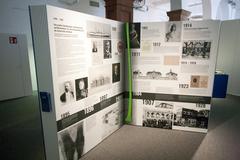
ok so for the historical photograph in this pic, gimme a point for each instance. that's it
(97, 52)
(134, 34)
(112, 120)
(81, 88)
(100, 81)
(71, 142)
(67, 94)
(98, 30)
(191, 117)
(155, 75)
(99, 78)
(161, 118)
(120, 47)
(115, 72)
(94, 46)
(164, 105)
(107, 49)
(173, 32)
(196, 49)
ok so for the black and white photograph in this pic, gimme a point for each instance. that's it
(191, 117)
(161, 118)
(112, 120)
(196, 50)
(107, 49)
(173, 32)
(67, 94)
(115, 72)
(99, 78)
(100, 81)
(164, 105)
(134, 34)
(120, 47)
(81, 88)
(94, 46)
(97, 51)
(98, 30)
(71, 142)
(155, 74)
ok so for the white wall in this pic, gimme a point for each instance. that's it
(14, 18)
(156, 11)
(223, 10)
(229, 54)
(200, 9)
(15, 78)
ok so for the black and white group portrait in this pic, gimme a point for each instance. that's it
(71, 142)
(115, 72)
(196, 49)
(107, 49)
(173, 32)
(81, 88)
(158, 118)
(68, 94)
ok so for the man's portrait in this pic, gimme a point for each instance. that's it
(115, 72)
(67, 95)
(81, 88)
(107, 49)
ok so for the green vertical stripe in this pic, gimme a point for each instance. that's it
(128, 119)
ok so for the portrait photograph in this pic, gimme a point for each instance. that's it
(66, 92)
(115, 72)
(107, 49)
(81, 88)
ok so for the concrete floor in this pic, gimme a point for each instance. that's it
(21, 139)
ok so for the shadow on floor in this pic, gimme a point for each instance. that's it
(222, 110)
(20, 131)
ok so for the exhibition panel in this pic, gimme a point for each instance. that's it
(79, 62)
(82, 76)
(173, 65)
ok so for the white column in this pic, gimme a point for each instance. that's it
(175, 4)
(207, 9)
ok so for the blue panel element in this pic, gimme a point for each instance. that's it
(220, 85)
(45, 101)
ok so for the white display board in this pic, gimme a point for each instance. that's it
(79, 62)
(80, 73)
(15, 78)
(173, 65)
